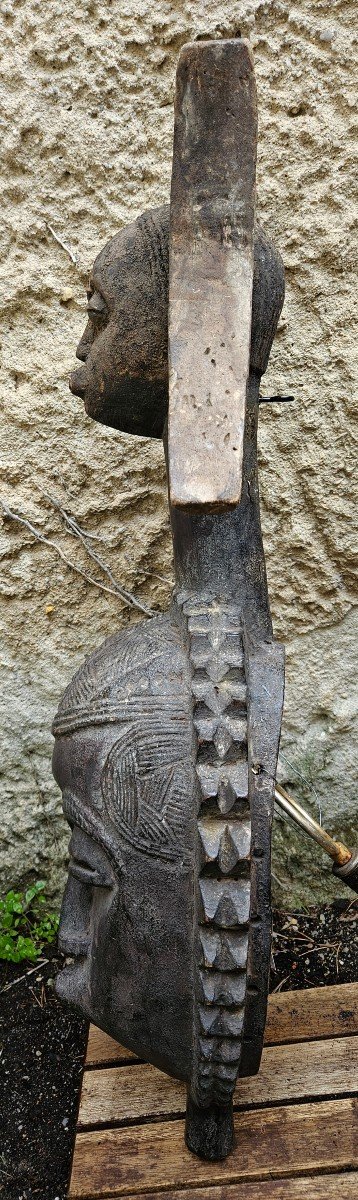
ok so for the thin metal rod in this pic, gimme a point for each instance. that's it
(336, 850)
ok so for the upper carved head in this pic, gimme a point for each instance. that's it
(123, 379)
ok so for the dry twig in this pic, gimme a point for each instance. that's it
(20, 978)
(277, 880)
(36, 999)
(63, 245)
(115, 590)
(280, 985)
(75, 528)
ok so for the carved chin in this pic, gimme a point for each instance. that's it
(136, 406)
(71, 983)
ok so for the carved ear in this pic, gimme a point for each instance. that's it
(148, 809)
(268, 294)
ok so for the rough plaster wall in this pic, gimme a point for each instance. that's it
(86, 118)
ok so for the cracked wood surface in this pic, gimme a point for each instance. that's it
(297, 1072)
(322, 1187)
(269, 1143)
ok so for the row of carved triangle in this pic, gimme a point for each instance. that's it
(226, 843)
(217, 660)
(225, 902)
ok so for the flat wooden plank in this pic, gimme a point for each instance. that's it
(102, 1049)
(212, 206)
(269, 1143)
(292, 1017)
(116, 1095)
(312, 1013)
(298, 1072)
(319, 1187)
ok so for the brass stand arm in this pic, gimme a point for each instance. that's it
(345, 861)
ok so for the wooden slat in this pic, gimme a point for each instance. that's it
(321, 1187)
(270, 1143)
(139, 1092)
(297, 1072)
(311, 1014)
(102, 1049)
(292, 1017)
(212, 207)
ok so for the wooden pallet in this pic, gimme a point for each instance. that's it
(294, 1122)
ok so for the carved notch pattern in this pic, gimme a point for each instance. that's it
(224, 835)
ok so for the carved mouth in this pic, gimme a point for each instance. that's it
(74, 946)
(71, 976)
(77, 383)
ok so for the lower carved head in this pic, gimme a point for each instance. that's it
(123, 760)
(124, 349)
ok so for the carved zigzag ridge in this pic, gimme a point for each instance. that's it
(216, 654)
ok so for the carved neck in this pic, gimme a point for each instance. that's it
(221, 554)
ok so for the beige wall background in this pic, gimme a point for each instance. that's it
(86, 125)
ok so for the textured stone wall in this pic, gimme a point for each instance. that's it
(86, 123)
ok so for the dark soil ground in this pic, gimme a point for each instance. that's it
(42, 1045)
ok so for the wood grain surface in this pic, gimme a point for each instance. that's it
(319, 1187)
(312, 1013)
(298, 1072)
(211, 271)
(293, 1140)
(295, 1122)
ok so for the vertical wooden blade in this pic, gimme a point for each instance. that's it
(211, 271)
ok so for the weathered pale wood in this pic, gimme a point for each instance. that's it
(312, 1013)
(211, 271)
(321, 1187)
(115, 1095)
(298, 1072)
(292, 1017)
(102, 1049)
(299, 1139)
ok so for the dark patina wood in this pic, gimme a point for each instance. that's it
(167, 738)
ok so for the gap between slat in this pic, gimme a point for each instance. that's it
(321, 1187)
(119, 1097)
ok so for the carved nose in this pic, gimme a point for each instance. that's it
(77, 383)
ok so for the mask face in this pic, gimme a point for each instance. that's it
(90, 901)
(127, 786)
